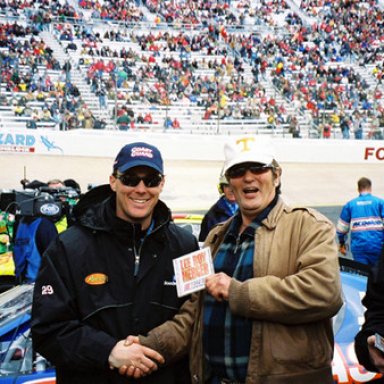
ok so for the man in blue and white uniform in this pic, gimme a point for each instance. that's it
(363, 218)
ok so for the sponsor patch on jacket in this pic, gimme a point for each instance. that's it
(96, 279)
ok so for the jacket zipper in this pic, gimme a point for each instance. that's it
(137, 259)
(138, 251)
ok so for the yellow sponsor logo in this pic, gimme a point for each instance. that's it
(96, 279)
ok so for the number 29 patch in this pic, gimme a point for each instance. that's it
(47, 290)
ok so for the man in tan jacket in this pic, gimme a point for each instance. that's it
(265, 315)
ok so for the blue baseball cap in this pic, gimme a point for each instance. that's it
(138, 154)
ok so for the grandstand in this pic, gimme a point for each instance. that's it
(283, 68)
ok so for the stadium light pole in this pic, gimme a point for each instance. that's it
(114, 79)
(65, 127)
(167, 101)
(218, 102)
(167, 81)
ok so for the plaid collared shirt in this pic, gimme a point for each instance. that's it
(227, 337)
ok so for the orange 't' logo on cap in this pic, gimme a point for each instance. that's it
(245, 142)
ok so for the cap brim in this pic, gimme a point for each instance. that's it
(139, 163)
(248, 157)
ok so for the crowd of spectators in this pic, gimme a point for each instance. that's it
(211, 57)
(121, 10)
(38, 87)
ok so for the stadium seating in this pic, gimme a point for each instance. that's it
(283, 68)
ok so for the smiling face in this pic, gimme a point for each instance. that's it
(254, 191)
(135, 204)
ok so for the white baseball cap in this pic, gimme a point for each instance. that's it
(248, 149)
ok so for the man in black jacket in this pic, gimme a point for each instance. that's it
(223, 209)
(368, 355)
(110, 275)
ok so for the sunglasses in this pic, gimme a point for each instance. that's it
(150, 181)
(241, 170)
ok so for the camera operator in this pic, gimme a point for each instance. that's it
(62, 222)
(34, 230)
(68, 193)
(33, 234)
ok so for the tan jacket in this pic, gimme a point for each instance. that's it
(294, 294)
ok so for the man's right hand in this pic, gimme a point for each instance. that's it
(377, 357)
(139, 360)
(130, 371)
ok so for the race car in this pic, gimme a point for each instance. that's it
(191, 222)
(18, 362)
(347, 323)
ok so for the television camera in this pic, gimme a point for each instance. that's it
(42, 201)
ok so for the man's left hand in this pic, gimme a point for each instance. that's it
(218, 286)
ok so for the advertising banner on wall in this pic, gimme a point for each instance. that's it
(185, 146)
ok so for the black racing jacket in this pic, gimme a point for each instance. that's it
(87, 295)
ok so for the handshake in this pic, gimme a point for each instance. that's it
(133, 359)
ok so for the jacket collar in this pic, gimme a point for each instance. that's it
(270, 222)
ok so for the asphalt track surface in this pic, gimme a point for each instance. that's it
(191, 186)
